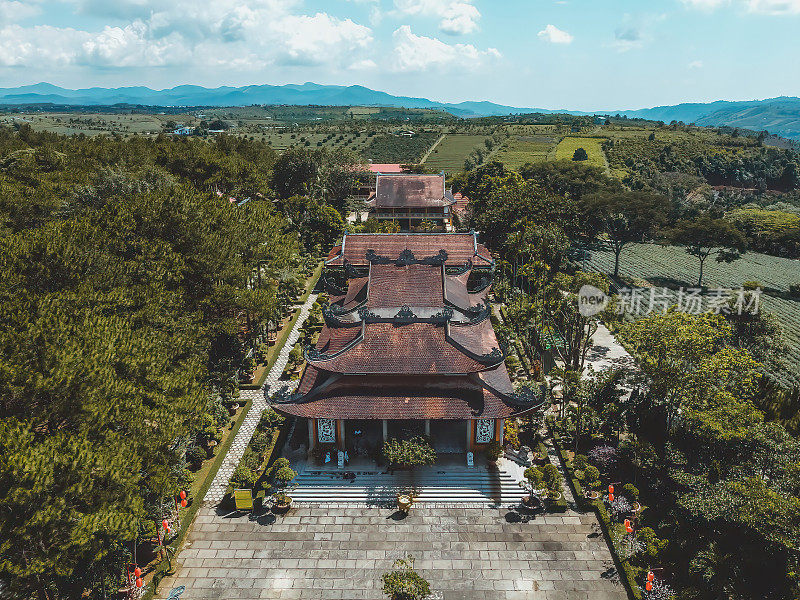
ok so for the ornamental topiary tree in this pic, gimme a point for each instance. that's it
(591, 477)
(404, 583)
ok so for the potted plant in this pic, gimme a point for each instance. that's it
(493, 452)
(591, 482)
(282, 476)
(404, 502)
(534, 484)
(552, 480)
(631, 492)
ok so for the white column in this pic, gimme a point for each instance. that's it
(428, 427)
(499, 425)
(385, 430)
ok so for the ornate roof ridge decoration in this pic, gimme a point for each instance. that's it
(349, 269)
(406, 258)
(376, 259)
(456, 271)
(367, 315)
(437, 259)
(495, 356)
(442, 316)
(484, 283)
(405, 315)
(526, 397)
(331, 288)
(331, 315)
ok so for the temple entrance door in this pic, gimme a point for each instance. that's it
(449, 437)
(364, 438)
(403, 430)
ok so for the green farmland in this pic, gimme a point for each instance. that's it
(450, 153)
(567, 146)
(518, 150)
(671, 266)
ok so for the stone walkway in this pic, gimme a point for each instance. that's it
(340, 552)
(217, 489)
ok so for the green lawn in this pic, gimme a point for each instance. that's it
(566, 148)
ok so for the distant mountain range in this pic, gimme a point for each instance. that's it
(780, 116)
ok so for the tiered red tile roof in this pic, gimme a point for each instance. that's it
(460, 247)
(377, 365)
(416, 285)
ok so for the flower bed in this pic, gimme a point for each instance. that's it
(613, 529)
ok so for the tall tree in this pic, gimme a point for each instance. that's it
(706, 237)
(625, 217)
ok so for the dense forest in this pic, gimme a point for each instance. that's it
(128, 268)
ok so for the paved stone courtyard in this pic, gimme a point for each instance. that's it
(340, 551)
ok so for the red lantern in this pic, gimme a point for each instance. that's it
(139, 582)
(611, 497)
(137, 572)
(165, 524)
(182, 495)
(649, 586)
(610, 489)
(184, 503)
(650, 576)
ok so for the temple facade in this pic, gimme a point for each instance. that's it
(411, 200)
(407, 348)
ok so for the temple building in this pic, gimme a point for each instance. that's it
(413, 201)
(407, 348)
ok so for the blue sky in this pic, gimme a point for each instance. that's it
(576, 54)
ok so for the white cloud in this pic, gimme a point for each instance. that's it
(554, 35)
(236, 34)
(705, 4)
(774, 7)
(365, 64)
(457, 17)
(696, 64)
(419, 53)
(766, 7)
(12, 11)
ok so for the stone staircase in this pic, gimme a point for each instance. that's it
(430, 485)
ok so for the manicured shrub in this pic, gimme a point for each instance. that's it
(631, 492)
(244, 477)
(591, 477)
(580, 462)
(552, 478)
(408, 453)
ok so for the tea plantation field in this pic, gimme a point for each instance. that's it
(451, 152)
(670, 266)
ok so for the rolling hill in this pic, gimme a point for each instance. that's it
(780, 116)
